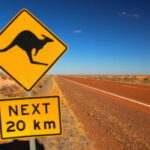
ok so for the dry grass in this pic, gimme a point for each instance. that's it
(73, 137)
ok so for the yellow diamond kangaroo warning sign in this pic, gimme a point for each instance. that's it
(30, 117)
(28, 49)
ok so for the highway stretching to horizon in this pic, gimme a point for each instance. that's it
(111, 112)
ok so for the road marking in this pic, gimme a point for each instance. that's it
(129, 86)
(128, 99)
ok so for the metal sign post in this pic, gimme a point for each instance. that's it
(32, 142)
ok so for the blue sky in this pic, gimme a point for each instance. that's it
(103, 36)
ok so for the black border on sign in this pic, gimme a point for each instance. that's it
(11, 99)
(22, 10)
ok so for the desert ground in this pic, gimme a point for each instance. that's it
(138, 79)
(99, 112)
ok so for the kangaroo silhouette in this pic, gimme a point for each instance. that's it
(27, 41)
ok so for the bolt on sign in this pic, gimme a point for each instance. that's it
(28, 49)
(30, 117)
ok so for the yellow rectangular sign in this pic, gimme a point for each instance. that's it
(30, 117)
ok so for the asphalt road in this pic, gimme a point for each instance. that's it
(115, 115)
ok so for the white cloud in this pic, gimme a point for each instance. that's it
(77, 31)
(124, 13)
(134, 15)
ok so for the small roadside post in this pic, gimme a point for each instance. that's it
(26, 55)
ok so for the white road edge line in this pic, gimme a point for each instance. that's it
(128, 99)
(129, 86)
